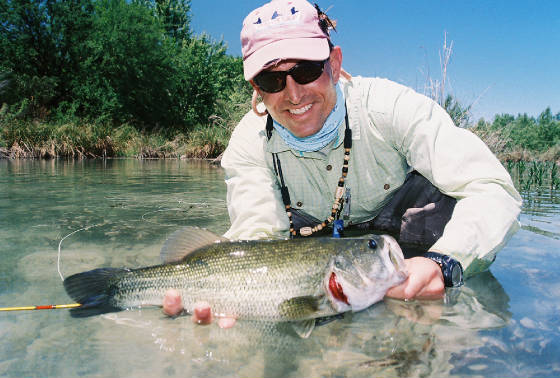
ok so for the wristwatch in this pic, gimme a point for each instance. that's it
(451, 268)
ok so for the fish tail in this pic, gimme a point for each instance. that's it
(94, 290)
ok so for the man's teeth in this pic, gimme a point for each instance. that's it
(301, 110)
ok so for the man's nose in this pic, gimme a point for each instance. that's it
(293, 90)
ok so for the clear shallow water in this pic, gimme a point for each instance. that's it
(503, 322)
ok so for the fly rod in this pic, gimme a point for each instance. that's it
(55, 306)
(45, 307)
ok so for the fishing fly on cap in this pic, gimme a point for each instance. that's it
(325, 23)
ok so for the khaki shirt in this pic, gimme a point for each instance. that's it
(394, 131)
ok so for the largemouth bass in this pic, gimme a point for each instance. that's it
(277, 280)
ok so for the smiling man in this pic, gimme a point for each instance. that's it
(330, 151)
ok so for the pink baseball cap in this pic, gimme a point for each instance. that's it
(281, 29)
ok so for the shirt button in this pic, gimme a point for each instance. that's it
(386, 186)
(299, 204)
(329, 167)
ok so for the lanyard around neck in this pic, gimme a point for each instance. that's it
(338, 202)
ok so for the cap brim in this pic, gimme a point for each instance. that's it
(300, 48)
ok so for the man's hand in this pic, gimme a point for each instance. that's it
(202, 313)
(425, 281)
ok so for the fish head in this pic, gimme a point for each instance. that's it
(362, 274)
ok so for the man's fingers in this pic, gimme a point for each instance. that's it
(202, 313)
(424, 281)
(226, 322)
(397, 292)
(434, 290)
(172, 304)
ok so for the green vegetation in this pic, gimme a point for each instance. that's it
(105, 78)
(511, 139)
(534, 175)
(522, 137)
(83, 78)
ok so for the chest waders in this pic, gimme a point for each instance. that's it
(415, 216)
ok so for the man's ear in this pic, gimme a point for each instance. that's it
(335, 61)
(255, 87)
(256, 94)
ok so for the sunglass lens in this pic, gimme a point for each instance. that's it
(303, 73)
(306, 72)
(271, 82)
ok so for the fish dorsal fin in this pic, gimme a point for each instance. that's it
(186, 240)
(304, 327)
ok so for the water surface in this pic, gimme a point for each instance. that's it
(503, 322)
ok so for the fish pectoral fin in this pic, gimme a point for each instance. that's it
(299, 307)
(304, 327)
(186, 240)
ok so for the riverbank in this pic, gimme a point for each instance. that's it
(21, 139)
(36, 140)
(90, 141)
(511, 139)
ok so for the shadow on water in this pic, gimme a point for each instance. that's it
(501, 323)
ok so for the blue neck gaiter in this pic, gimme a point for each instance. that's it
(320, 139)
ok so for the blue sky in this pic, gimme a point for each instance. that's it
(506, 54)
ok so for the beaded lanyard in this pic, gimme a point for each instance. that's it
(338, 202)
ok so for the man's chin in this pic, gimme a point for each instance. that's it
(302, 129)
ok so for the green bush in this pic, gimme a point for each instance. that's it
(111, 61)
(534, 134)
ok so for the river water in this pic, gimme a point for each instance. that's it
(504, 322)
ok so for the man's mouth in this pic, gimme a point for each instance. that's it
(300, 110)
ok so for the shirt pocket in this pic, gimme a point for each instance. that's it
(371, 187)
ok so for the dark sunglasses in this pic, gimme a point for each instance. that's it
(304, 72)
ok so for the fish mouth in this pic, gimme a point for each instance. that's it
(335, 293)
(356, 290)
(335, 289)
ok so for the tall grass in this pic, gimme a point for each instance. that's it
(209, 141)
(23, 138)
(33, 139)
(528, 175)
(437, 89)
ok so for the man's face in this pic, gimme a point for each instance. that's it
(303, 108)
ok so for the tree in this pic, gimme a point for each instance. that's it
(548, 129)
(175, 16)
(116, 61)
(200, 78)
(125, 75)
(41, 44)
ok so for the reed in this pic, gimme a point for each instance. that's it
(534, 175)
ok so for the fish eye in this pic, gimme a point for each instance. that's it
(372, 244)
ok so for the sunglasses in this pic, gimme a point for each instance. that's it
(304, 72)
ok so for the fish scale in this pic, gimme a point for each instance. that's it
(263, 280)
(257, 278)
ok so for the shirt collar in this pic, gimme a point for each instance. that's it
(277, 145)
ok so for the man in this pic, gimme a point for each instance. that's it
(332, 150)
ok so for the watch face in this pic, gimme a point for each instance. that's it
(456, 275)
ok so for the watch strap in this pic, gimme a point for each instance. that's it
(447, 264)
